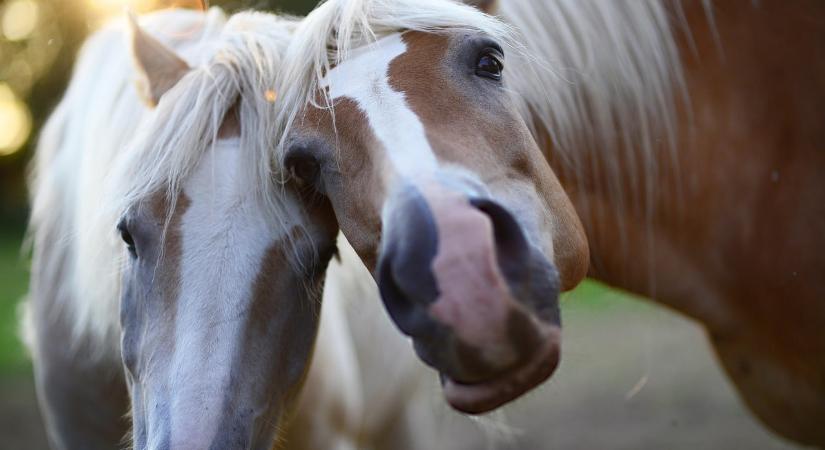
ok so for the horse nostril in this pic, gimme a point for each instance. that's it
(512, 248)
(405, 278)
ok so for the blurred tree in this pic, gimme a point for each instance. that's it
(38, 43)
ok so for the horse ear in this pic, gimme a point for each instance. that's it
(487, 6)
(158, 66)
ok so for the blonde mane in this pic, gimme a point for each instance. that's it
(583, 70)
(102, 150)
(604, 82)
(601, 79)
(326, 36)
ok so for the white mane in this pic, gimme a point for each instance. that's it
(102, 150)
(327, 35)
(601, 79)
(588, 71)
(604, 82)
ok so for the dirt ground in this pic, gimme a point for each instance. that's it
(633, 376)
(20, 425)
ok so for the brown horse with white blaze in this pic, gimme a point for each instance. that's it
(680, 132)
(471, 240)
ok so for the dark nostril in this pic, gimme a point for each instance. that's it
(405, 305)
(399, 307)
(512, 248)
(404, 274)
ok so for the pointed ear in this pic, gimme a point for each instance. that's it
(487, 6)
(159, 68)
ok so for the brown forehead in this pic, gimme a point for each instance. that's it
(464, 124)
(416, 70)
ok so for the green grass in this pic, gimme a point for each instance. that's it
(592, 295)
(14, 280)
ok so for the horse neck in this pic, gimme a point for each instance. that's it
(665, 209)
(736, 240)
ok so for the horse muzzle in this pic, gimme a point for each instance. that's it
(459, 276)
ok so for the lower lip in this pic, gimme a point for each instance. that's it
(479, 398)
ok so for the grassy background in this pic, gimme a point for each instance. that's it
(14, 278)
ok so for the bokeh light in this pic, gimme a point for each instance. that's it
(15, 121)
(105, 8)
(20, 19)
(120, 4)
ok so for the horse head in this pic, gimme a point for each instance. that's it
(437, 183)
(223, 265)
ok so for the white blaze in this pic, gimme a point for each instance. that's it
(225, 236)
(364, 77)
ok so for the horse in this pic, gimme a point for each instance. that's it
(663, 141)
(496, 227)
(174, 276)
(712, 110)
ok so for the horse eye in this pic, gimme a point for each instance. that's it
(489, 66)
(127, 238)
(303, 167)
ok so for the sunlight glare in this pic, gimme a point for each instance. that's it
(15, 122)
(20, 19)
(109, 7)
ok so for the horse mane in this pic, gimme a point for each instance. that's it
(607, 88)
(102, 151)
(241, 70)
(605, 78)
(591, 74)
(597, 76)
(329, 33)
(601, 80)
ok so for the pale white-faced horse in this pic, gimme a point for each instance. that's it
(688, 137)
(176, 281)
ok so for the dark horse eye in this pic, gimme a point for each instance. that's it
(127, 238)
(489, 66)
(303, 167)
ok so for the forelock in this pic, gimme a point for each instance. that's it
(328, 34)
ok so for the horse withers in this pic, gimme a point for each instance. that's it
(207, 309)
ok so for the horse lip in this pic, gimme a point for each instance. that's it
(485, 396)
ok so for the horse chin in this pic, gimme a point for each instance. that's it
(484, 396)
